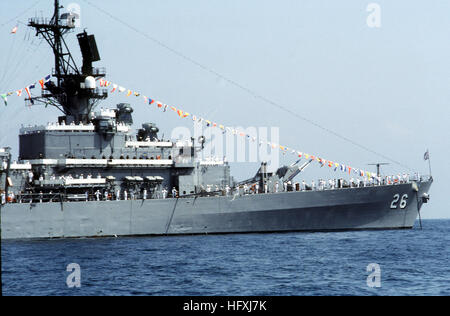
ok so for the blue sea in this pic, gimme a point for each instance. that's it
(410, 262)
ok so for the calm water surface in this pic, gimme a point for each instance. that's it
(412, 262)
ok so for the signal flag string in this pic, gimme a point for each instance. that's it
(209, 123)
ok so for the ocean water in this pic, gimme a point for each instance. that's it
(411, 262)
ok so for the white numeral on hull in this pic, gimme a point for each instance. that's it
(403, 201)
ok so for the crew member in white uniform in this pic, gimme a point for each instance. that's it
(3, 198)
(144, 194)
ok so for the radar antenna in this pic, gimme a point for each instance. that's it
(71, 94)
(378, 164)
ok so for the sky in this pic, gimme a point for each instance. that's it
(278, 65)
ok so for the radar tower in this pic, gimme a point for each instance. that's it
(74, 92)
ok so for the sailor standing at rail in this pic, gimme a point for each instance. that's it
(257, 188)
(245, 189)
(266, 188)
(41, 196)
(97, 195)
(125, 195)
(227, 190)
(174, 192)
(3, 198)
(30, 177)
(144, 194)
(118, 194)
(276, 187)
(106, 195)
(86, 196)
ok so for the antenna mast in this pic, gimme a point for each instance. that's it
(69, 94)
(378, 164)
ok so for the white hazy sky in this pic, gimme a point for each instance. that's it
(386, 88)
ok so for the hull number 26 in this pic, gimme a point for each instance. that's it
(403, 201)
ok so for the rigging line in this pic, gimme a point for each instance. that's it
(6, 77)
(240, 86)
(7, 61)
(34, 53)
(19, 15)
(24, 59)
(21, 59)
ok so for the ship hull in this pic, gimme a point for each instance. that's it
(328, 210)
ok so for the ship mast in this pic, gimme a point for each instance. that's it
(57, 46)
(70, 93)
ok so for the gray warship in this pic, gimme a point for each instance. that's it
(88, 175)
